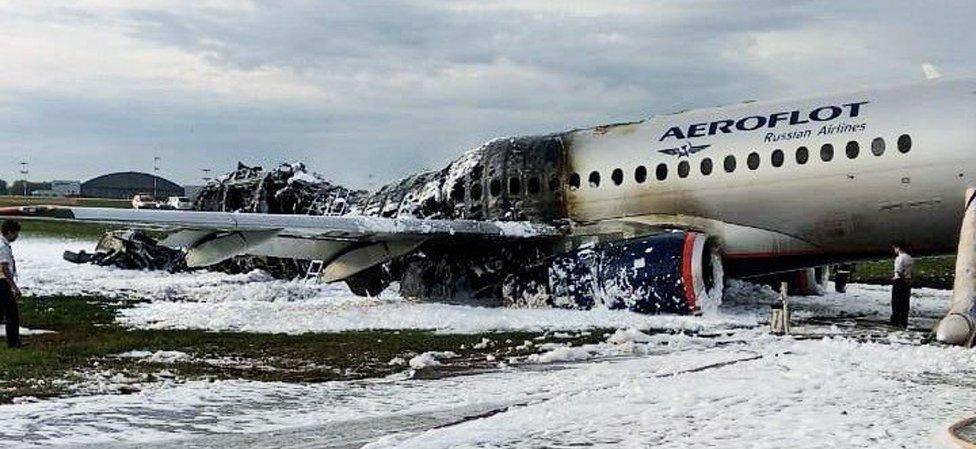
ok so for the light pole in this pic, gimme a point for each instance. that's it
(155, 173)
(25, 170)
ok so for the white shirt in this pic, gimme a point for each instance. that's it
(903, 266)
(7, 257)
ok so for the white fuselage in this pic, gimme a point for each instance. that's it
(853, 205)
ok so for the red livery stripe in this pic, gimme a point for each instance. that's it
(687, 274)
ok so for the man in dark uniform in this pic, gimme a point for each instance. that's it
(9, 291)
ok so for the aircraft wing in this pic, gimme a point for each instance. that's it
(350, 227)
(346, 244)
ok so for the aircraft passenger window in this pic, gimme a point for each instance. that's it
(753, 161)
(683, 169)
(535, 185)
(826, 152)
(905, 143)
(777, 158)
(554, 183)
(617, 176)
(640, 174)
(514, 186)
(457, 193)
(853, 149)
(802, 155)
(495, 187)
(594, 179)
(476, 192)
(877, 146)
(706, 166)
(574, 181)
(661, 172)
(729, 163)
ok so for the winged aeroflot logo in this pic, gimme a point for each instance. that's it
(686, 149)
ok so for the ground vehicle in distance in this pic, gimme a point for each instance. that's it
(177, 203)
(144, 201)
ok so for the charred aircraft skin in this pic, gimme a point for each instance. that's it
(516, 179)
(519, 178)
(513, 179)
(289, 189)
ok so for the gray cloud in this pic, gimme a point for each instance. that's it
(373, 90)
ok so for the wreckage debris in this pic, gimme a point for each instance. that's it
(132, 250)
(288, 189)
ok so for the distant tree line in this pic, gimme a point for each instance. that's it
(17, 188)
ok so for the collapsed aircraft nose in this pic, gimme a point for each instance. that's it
(955, 329)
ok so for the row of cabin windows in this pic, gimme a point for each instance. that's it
(802, 155)
(533, 187)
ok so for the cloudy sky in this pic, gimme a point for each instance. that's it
(364, 91)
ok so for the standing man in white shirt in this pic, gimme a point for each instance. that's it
(901, 288)
(9, 292)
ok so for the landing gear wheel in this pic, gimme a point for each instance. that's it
(370, 283)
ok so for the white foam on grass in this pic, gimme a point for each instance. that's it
(764, 392)
(675, 390)
(156, 356)
(430, 359)
(829, 393)
(255, 302)
(25, 331)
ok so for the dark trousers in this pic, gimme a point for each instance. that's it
(840, 281)
(8, 310)
(900, 292)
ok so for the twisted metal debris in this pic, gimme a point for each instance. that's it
(504, 179)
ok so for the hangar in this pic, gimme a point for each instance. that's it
(125, 185)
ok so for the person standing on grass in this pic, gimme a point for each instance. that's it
(901, 288)
(9, 292)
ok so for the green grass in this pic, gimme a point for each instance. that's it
(64, 229)
(86, 335)
(12, 201)
(933, 272)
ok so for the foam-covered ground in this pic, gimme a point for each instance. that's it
(680, 392)
(735, 387)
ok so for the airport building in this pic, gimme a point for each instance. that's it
(66, 188)
(60, 188)
(125, 185)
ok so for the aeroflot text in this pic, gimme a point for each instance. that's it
(754, 122)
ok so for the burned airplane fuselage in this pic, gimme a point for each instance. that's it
(503, 180)
(512, 179)
(515, 179)
(524, 179)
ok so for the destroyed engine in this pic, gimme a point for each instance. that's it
(674, 272)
